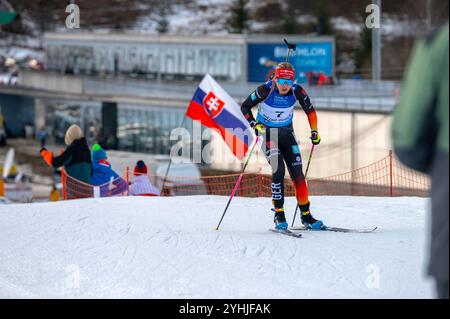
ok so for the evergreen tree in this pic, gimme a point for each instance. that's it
(238, 21)
(322, 12)
(363, 53)
(162, 23)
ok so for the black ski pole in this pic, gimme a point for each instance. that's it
(306, 173)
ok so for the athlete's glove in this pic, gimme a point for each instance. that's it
(315, 137)
(260, 129)
(47, 156)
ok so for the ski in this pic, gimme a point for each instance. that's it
(286, 232)
(336, 229)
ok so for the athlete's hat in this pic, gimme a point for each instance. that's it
(285, 70)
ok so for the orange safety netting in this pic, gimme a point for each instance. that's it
(74, 188)
(386, 177)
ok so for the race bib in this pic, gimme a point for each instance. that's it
(275, 116)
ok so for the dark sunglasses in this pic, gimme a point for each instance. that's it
(285, 81)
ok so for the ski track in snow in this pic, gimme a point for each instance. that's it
(133, 247)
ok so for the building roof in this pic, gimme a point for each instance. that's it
(236, 39)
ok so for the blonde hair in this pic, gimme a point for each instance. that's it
(285, 65)
(73, 133)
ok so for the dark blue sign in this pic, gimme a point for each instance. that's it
(309, 57)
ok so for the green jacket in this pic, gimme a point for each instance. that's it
(420, 134)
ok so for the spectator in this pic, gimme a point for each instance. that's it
(104, 176)
(2, 129)
(42, 136)
(54, 194)
(141, 184)
(420, 135)
(76, 158)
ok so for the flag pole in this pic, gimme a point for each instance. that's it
(170, 162)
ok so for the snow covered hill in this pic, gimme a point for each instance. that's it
(168, 248)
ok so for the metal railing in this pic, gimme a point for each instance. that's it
(348, 95)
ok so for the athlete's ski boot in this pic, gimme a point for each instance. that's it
(279, 219)
(310, 222)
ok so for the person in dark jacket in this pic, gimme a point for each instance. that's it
(104, 176)
(420, 135)
(76, 158)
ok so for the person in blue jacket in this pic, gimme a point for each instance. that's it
(104, 176)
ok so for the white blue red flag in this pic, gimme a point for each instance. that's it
(214, 108)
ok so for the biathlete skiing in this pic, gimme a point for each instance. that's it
(277, 99)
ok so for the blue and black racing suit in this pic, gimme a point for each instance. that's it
(276, 112)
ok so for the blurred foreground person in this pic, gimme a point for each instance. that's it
(420, 137)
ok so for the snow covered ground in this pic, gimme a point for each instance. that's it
(168, 248)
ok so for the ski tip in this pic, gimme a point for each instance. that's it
(335, 229)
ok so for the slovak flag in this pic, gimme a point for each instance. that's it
(214, 108)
